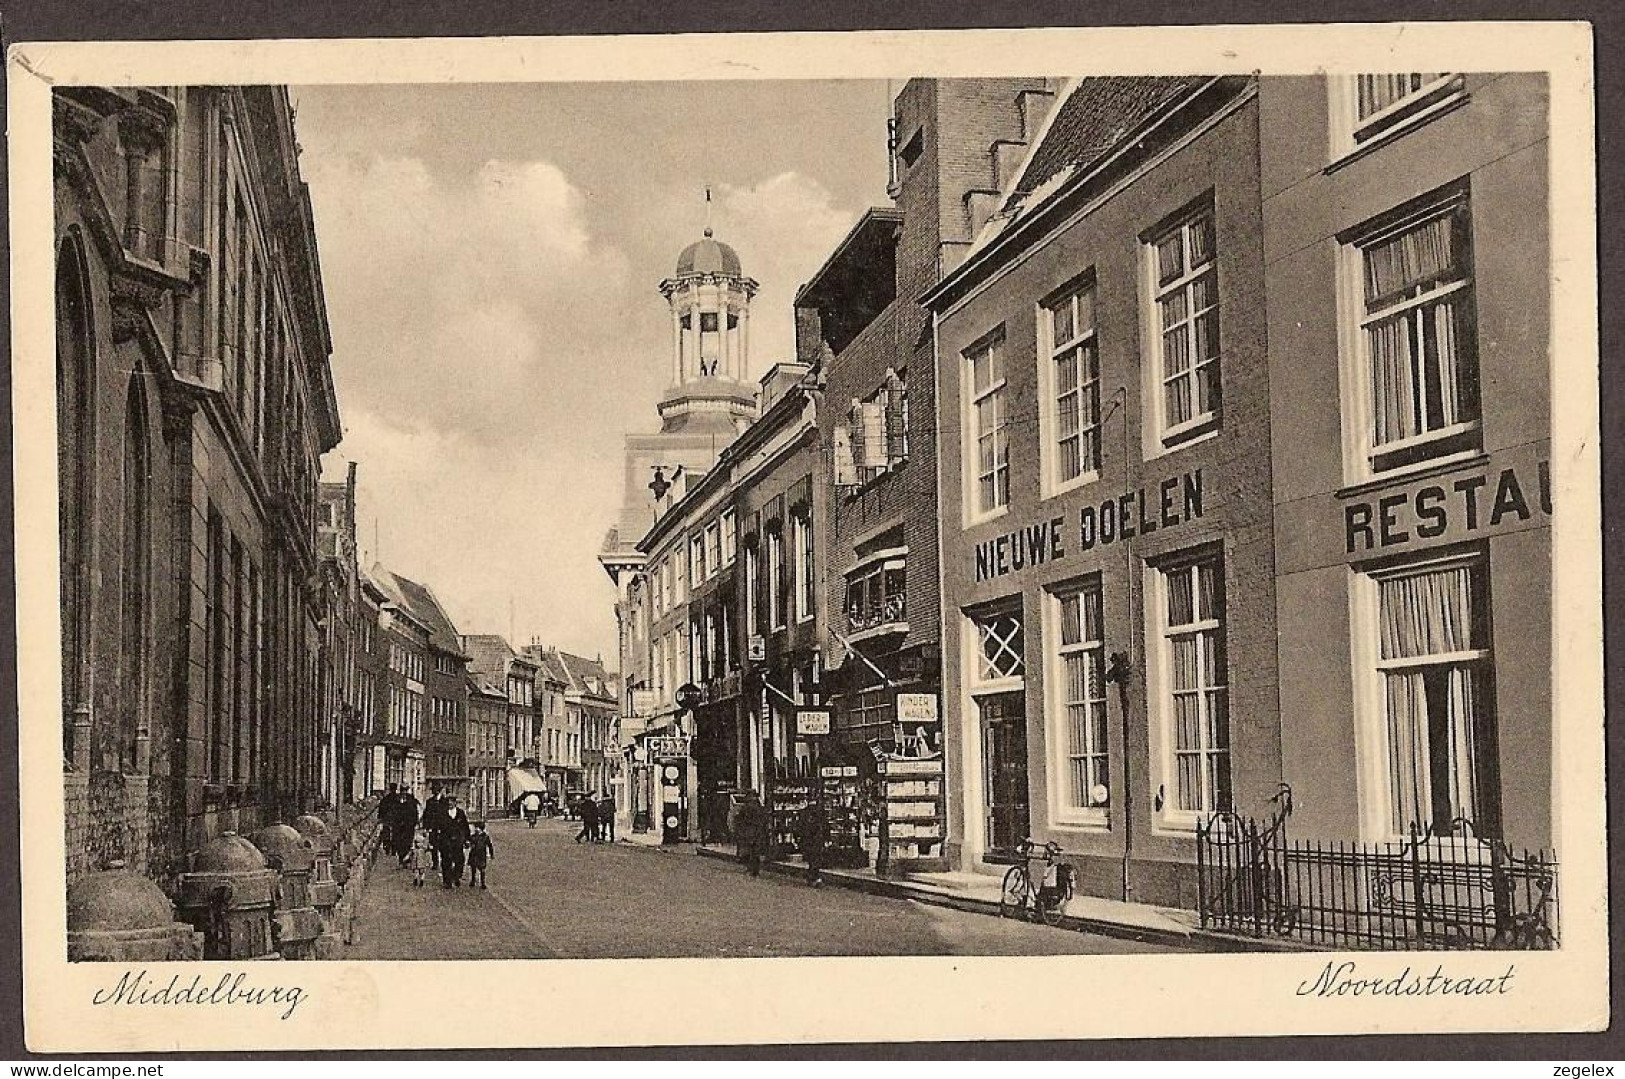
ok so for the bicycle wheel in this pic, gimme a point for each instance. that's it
(1053, 912)
(1013, 896)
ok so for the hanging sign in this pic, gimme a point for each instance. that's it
(667, 745)
(644, 702)
(812, 721)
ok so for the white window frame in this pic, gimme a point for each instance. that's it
(996, 390)
(1354, 361)
(803, 587)
(730, 541)
(1162, 436)
(713, 549)
(1159, 683)
(753, 581)
(1057, 736)
(696, 560)
(1050, 390)
(775, 573)
(1372, 748)
(1352, 135)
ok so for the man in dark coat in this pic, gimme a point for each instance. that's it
(812, 836)
(606, 818)
(389, 807)
(434, 814)
(588, 809)
(751, 833)
(406, 822)
(452, 839)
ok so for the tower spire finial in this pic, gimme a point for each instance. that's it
(708, 211)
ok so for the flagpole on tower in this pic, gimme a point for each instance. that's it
(708, 209)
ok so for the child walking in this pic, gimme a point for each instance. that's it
(480, 852)
(422, 857)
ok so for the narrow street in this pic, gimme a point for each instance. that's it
(552, 898)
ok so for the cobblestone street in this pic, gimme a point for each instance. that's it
(550, 898)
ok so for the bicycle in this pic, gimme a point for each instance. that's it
(1046, 900)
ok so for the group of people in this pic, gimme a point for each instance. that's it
(439, 835)
(597, 813)
(754, 839)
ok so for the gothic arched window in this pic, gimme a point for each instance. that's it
(75, 432)
(135, 573)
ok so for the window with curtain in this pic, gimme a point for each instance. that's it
(1081, 697)
(1434, 662)
(1074, 422)
(989, 418)
(1417, 330)
(1198, 697)
(1187, 323)
(1385, 102)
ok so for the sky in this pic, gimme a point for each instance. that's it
(491, 257)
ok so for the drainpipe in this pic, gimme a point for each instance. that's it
(1121, 664)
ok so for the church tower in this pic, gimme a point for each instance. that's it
(709, 297)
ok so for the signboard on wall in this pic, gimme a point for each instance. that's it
(757, 648)
(811, 722)
(667, 745)
(644, 702)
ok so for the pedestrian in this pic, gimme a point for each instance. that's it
(452, 840)
(388, 806)
(406, 822)
(606, 817)
(750, 824)
(434, 811)
(421, 861)
(532, 805)
(812, 836)
(480, 852)
(589, 819)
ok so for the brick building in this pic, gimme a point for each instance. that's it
(1108, 552)
(445, 685)
(493, 662)
(859, 320)
(487, 749)
(403, 641)
(194, 400)
(371, 674)
(342, 640)
(1407, 261)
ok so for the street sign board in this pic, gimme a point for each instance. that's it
(645, 702)
(916, 708)
(757, 648)
(688, 695)
(812, 721)
(667, 745)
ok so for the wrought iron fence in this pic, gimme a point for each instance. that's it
(1455, 891)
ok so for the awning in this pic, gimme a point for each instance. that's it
(523, 781)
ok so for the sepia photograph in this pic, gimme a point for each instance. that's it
(881, 514)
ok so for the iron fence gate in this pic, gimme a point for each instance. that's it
(1454, 891)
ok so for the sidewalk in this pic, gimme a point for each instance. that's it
(979, 893)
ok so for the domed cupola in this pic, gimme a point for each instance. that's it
(710, 297)
(708, 256)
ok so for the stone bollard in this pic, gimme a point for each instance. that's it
(117, 916)
(228, 897)
(324, 887)
(297, 925)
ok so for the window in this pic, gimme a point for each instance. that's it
(1385, 103)
(1000, 647)
(897, 418)
(804, 568)
(1418, 373)
(1072, 413)
(729, 539)
(989, 417)
(713, 549)
(775, 578)
(1187, 327)
(1194, 694)
(876, 595)
(696, 561)
(752, 584)
(1079, 694)
(1434, 664)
